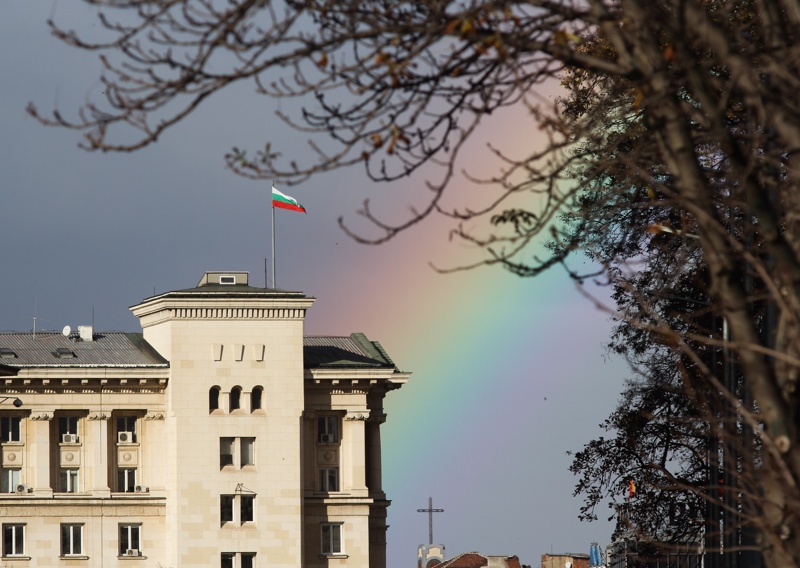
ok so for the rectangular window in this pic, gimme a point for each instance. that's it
(241, 451)
(10, 429)
(329, 479)
(246, 507)
(71, 540)
(68, 429)
(9, 480)
(13, 540)
(248, 451)
(328, 429)
(246, 559)
(126, 480)
(226, 509)
(130, 540)
(331, 536)
(68, 480)
(126, 429)
(225, 452)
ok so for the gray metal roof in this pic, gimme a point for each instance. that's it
(114, 349)
(227, 291)
(118, 349)
(336, 351)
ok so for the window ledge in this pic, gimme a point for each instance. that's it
(126, 557)
(14, 558)
(73, 557)
(336, 555)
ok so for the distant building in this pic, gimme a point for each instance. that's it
(566, 560)
(476, 560)
(429, 555)
(632, 553)
(220, 436)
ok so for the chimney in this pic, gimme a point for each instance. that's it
(86, 332)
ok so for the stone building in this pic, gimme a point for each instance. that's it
(219, 436)
(565, 560)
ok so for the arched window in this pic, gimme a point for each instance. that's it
(213, 399)
(255, 398)
(235, 399)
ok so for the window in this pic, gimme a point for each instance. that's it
(226, 451)
(234, 399)
(329, 479)
(213, 399)
(231, 506)
(71, 540)
(9, 480)
(241, 451)
(248, 451)
(126, 429)
(246, 560)
(226, 509)
(68, 480)
(328, 429)
(68, 429)
(247, 502)
(331, 538)
(126, 480)
(255, 398)
(9, 429)
(130, 540)
(13, 540)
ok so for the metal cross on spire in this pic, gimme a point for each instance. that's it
(430, 510)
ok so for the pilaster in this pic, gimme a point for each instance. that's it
(37, 472)
(97, 465)
(353, 450)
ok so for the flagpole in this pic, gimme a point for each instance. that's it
(273, 237)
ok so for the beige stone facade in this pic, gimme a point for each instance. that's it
(219, 436)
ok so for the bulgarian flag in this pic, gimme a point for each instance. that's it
(282, 201)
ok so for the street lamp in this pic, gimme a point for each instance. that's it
(17, 402)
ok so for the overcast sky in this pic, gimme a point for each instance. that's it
(508, 374)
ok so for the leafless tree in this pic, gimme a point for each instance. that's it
(686, 127)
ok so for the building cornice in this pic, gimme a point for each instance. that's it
(235, 307)
(356, 376)
(126, 374)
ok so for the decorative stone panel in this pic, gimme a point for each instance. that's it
(128, 456)
(70, 456)
(328, 456)
(13, 456)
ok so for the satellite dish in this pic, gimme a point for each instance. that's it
(66, 331)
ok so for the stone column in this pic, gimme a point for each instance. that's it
(37, 469)
(96, 465)
(373, 440)
(354, 458)
(153, 443)
(308, 445)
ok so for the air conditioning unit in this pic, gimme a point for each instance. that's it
(131, 552)
(69, 438)
(327, 438)
(23, 488)
(140, 489)
(124, 437)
